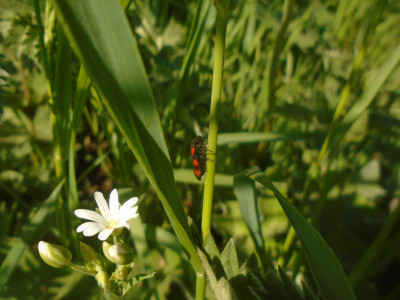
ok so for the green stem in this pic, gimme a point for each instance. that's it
(338, 112)
(287, 247)
(214, 122)
(222, 21)
(46, 64)
(80, 269)
(200, 286)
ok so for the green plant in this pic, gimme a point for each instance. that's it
(101, 94)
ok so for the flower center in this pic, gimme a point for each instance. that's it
(112, 223)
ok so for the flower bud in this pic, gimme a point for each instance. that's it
(121, 273)
(89, 256)
(102, 279)
(119, 254)
(54, 255)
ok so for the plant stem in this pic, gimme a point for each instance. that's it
(214, 122)
(212, 139)
(200, 286)
(81, 269)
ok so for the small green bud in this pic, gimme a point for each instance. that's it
(121, 273)
(102, 279)
(106, 249)
(119, 254)
(54, 255)
(89, 256)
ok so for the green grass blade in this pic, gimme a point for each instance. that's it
(11, 261)
(277, 51)
(367, 97)
(245, 191)
(186, 176)
(256, 137)
(102, 38)
(326, 268)
(192, 46)
(373, 22)
(61, 117)
(82, 92)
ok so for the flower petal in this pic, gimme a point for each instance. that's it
(123, 224)
(102, 204)
(128, 204)
(90, 228)
(114, 204)
(90, 215)
(103, 235)
(128, 214)
(110, 217)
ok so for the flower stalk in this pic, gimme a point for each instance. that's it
(223, 11)
(222, 20)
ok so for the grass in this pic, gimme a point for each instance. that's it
(298, 96)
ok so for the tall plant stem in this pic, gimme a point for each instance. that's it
(200, 286)
(214, 122)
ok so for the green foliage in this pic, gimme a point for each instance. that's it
(15, 253)
(131, 103)
(245, 191)
(99, 95)
(3, 83)
(325, 266)
(229, 280)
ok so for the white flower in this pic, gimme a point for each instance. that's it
(112, 216)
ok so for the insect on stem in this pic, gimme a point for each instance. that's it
(199, 157)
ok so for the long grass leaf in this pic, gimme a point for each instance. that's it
(245, 191)
(256, 137)
(367, 97)
(101, 37)
(326, 268)
(82, 92)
